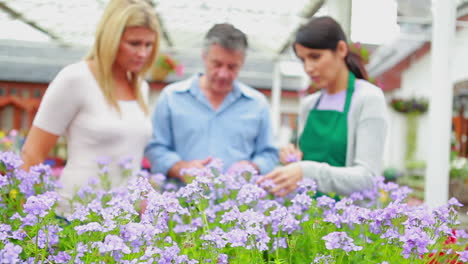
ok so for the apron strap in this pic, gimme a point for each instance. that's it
(349, 93)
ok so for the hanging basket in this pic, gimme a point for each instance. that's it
(159, 73)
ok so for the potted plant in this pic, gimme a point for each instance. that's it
(163, 66)
(459, 178)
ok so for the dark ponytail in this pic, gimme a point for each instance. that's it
(356, 65)
(325, 33)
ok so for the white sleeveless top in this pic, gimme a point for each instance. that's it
(74, 106)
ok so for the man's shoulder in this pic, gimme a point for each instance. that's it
(179, 86)
(251, 92)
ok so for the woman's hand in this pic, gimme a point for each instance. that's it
(285, 179)
(290, 154)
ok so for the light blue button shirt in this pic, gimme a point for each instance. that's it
(186, 127)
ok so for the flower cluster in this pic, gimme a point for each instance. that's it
(219, 217)
(11, 141)
(359, 49)
(412, 105)
(164, 61)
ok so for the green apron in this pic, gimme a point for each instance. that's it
(325, 134)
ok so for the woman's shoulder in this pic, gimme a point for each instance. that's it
(367, 89)
(74, 71)
(369, 99)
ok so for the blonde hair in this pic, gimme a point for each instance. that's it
(118, 15)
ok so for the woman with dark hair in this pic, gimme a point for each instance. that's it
(343, 126)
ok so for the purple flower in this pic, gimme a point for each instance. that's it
(400, 193)
(49, 237)
(61, 257)
(307, 185)
(303, 201)
(282, 220)
(112, 243)
(4, 231)
(131, 231)
(325, 202)
(217, 237)
(169, 254)
(268, 184)
(126, 163)
(463, 255)
(41, 204)
(250, 193)
(157, 179)
(28, 181)
(3, 181)
(90, 227)
(19, 234)
(223, 259)
(461, 233)
(454, 202)
(237, 238)
(191, 192)
(415, 240)
(243, 170)
(10, 160)
(94, 181)
(324, 259)
(95, 205)
(231, 215)
(291, 157)
(10, 253)
(280, 242)
(340, 240)
(103, 161)
(216, 164)
(80, 212)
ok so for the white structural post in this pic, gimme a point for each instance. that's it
(276, 99)
(440, 105)
(341, 11)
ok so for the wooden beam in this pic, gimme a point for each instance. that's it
(16, 15)
(164, 32)
(307, 14)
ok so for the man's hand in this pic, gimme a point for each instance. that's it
(175, 170)
(286, 179)
(290, 154)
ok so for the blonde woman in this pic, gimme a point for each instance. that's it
(100, 103)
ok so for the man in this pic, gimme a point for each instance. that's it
(212, 115)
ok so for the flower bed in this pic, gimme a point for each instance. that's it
(217, 218)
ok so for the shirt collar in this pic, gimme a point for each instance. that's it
(193, 87)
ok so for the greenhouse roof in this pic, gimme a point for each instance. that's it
(269, 24)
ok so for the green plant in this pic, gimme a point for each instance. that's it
(459, 168)
(166, 62)
(359, 49)
(411, 105)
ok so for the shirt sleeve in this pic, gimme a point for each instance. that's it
(266, 154)
(160, 149)
(369, 147)
(60, 103)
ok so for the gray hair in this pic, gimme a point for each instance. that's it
(227, 36)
